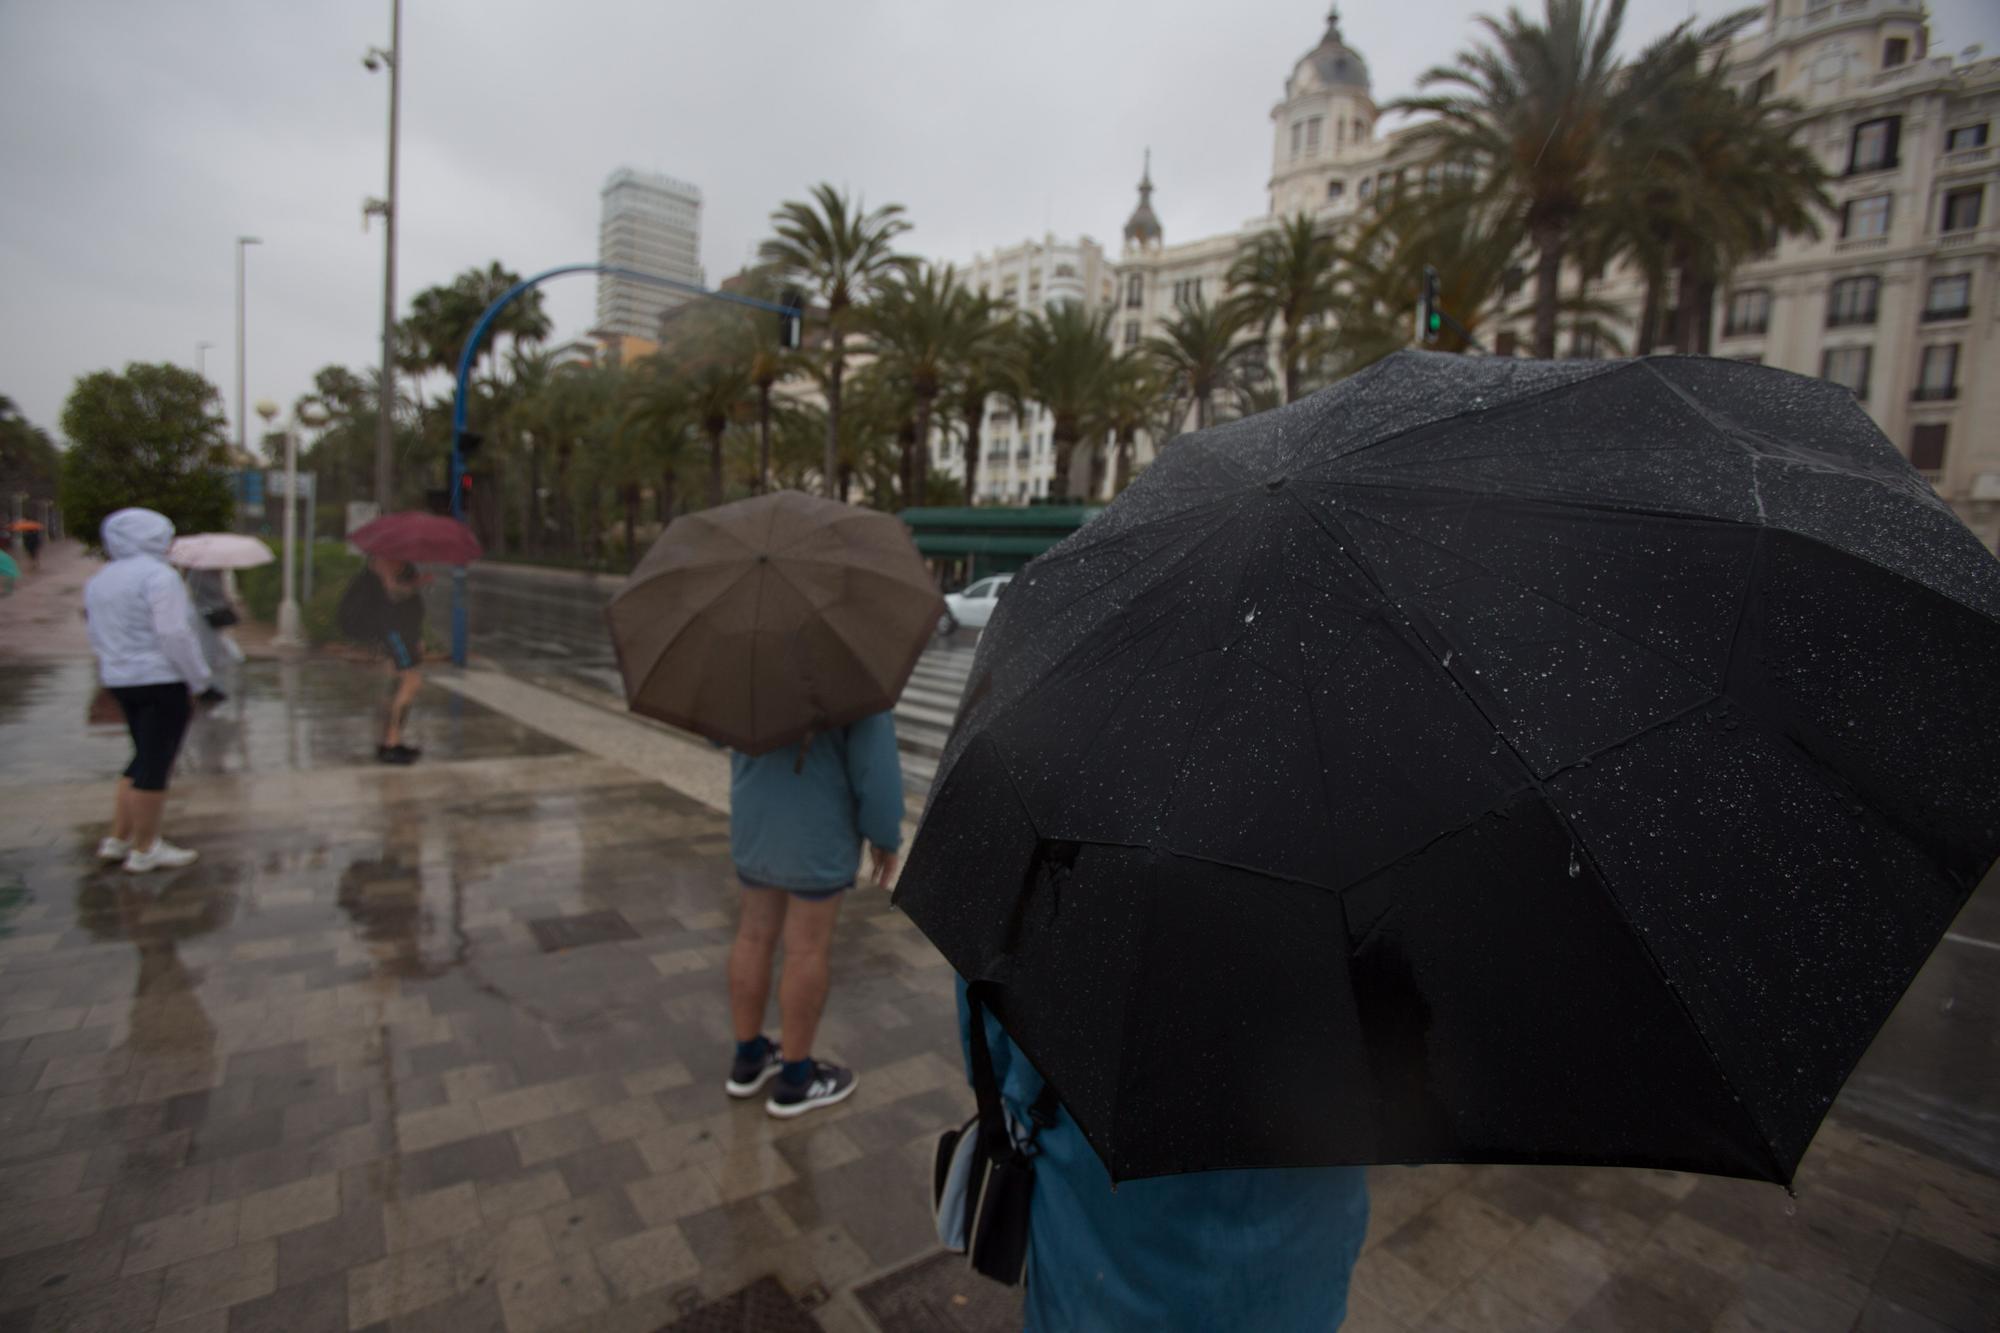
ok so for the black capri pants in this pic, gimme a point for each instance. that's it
(157, 716)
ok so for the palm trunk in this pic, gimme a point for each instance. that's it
(830, 469)
(922, 466)
(1122, 478)
(532, 538)
(631, 494)
(973, 421)
(1649, 314)
(1704, 296)
(1548, 289)
(667, 480)
(1098, 467)
(1063, 438)
(1686, 337)
(1288, 352)
(844, 483)
(715, 466)
(1201, 410)
(763, 438)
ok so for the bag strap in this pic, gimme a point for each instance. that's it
(986, 1087)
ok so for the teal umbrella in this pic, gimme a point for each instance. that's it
(8, 569)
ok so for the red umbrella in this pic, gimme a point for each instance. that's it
(429, 539)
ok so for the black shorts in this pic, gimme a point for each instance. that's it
(157, 716)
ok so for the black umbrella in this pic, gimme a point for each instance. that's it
(1481, 760)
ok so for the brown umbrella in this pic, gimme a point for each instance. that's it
(760, 623)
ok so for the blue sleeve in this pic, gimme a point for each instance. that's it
(875, 775)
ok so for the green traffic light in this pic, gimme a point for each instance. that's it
(1437, 322)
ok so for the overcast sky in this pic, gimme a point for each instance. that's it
(137, 140)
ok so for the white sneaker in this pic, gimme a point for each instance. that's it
(113, 849)
(162, 856)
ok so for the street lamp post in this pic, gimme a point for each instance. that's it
(289, 621)
(242, 418)
(385, 208)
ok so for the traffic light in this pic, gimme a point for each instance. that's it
(790, 322)
(1430, 317)
(468, 444)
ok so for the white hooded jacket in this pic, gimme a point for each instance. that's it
(138, 610)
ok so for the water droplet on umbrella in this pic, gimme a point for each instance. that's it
(1575, 866)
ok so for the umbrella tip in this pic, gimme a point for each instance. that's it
(1275, 484)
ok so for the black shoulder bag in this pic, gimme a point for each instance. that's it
(983, 1178)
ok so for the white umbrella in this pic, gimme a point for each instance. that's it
(218, 550)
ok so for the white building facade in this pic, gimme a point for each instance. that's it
(1899, 298)
(650, 223)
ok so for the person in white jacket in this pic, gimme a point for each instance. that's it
(149, 659)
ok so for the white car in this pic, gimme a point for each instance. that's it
(972, 606)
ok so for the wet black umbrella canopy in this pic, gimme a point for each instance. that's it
(1479, 760)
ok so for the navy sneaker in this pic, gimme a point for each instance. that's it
(750, 1073)
(828, 1084)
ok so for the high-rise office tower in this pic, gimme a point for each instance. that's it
(651, 223)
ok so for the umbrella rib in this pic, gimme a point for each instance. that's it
(1728, 432)
(660, 658)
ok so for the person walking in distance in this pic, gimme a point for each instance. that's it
(798, 817)
(383, 609)
(147, 657)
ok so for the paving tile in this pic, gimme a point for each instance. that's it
(318, 1306)
(418, 1130)
(527, 1193)
(558, 1136)
(676, 1194)
(218, 1281)
(1625, 1303)
(59, 1270)
(105, 1307)
(607, 1166)
(33, 1226)
(426, 1218)
(351, 1239)
(647, 1261)
(303, 1203)
(179, 1237)
(47, 1178)
(1939, 1283)
(583, 1224)
(554, 1295)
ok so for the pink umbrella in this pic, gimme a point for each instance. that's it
(218, 550)
(428, 539)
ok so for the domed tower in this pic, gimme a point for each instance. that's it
(1328, 116)
(1142, 229)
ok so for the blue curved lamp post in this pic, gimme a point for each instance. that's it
(471, 354)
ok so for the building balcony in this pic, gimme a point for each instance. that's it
(1934, 393)
(1752, 330)
(1851, 244)
(1858, 320)
(1943, 316)
(1952, 240)
(1966, 158)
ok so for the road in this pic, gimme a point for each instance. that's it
(550, 623)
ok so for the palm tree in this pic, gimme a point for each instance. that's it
(1287, 276)
(1529, 114)
(923, 329)
(844, 253)
(1066, 366)
(991, 368)
(1133, 404)
(1703, 179)
(1202, 353)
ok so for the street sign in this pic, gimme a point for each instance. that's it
(274, 484)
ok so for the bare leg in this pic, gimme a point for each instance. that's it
(757, 932)
(121, 812)
(802, 992)
(402, 694)
(147, 807)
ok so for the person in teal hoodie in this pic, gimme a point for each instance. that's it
(798, 817)
(1265, 1249)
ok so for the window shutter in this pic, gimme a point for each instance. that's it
(1894, 138)
(1927, 447)
(1847, 218)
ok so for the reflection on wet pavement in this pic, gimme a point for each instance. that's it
(328, 1078)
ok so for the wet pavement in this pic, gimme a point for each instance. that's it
(329, 1079)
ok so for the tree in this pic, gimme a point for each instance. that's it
(1136, 402)
(441, 319)
(152, 436)
(1287, 276)
(1700, 179)
(992, 367)
(925, 329)
(1529, 114)
(1066, 366)
(844, 253)
(1203, 355)
(30, 464)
